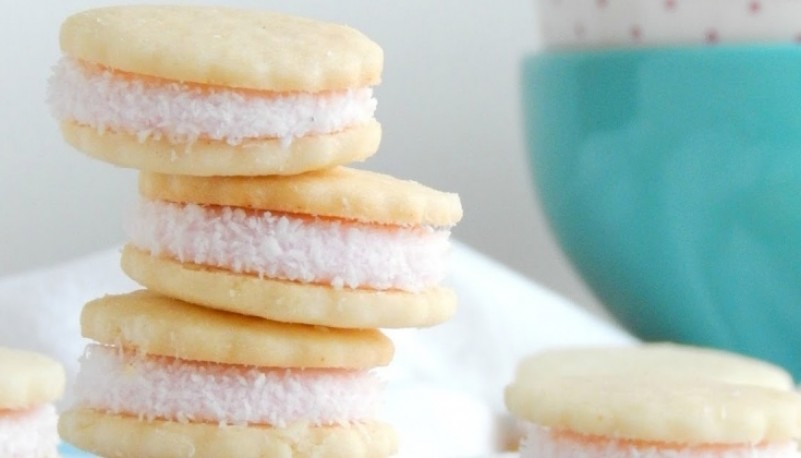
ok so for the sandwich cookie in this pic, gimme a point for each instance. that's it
(215, 91)
(624, 417)
(29, 384)
(167, 378)
(339, 247)
(599, 403)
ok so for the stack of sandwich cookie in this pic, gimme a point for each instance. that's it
(29, 384)
(654, 401)
(269, 266)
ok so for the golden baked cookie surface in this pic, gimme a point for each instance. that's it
(673, 410)
(121, 436)
(28, 379)
(657, 392)
(205, 158)
(288, 301)
(227, 47)
(655, 360)
(160, 325)
(339, 192)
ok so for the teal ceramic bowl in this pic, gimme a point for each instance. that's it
(672, 180)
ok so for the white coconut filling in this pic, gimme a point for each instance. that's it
(29, 433)
(541, 442)
(279, 246)
(154, 387)
(183, 113)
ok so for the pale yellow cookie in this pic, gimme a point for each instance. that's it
(655, 360)
(205, 158)
(339, 192)
(159, 325)
(28, 379)
(223, 46)
(288, 301)
(120, 436)
(675, 410)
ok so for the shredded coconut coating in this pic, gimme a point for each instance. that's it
(29, 433)
(543, 442)
(157, 387)
(153, 108)
(279, 246)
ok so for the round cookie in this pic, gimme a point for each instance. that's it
(287, 301)
(207, 158)
(674, 410)
(240, 48)
(270, 93)
(28, 379)
(655, 360)
(120, 436)
(160, 325)
(171, 378)
(339, 247)
(653, 400)
(340, 192)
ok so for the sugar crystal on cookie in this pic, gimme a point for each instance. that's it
(183, 113)
(150, 387)
(29, 433)
(341, 253)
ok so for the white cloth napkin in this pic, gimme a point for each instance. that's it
(446, 383)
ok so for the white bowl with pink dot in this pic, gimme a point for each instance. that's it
(635, 23)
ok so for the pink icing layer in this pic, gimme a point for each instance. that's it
(159, 387)
(310, 250)
(183, 113)
(29, 433)
(542, 442)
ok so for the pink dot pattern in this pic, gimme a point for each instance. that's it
(635, 23)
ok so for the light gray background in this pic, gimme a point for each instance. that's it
(449, 105)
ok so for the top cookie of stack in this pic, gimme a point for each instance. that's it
(216, 91)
